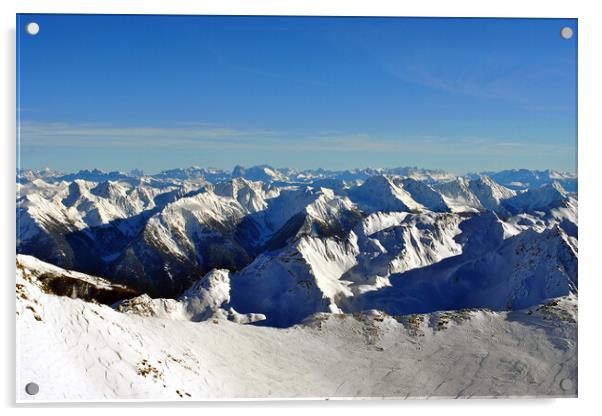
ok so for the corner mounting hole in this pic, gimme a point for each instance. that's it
(32, 28)
(32, 389)
(566, 32)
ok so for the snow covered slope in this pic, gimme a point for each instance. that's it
(77, 350)
(537, 198)
(463, 195)
(523, 270)
(292, 283)
(380, 193)
(207, 298)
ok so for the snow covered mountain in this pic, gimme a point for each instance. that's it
(522, 179)
(160, 233)
(284, 248)
(479, 194)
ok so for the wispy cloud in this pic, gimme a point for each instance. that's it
(489, 77)
(465, 83)
(85, 131)
(193, 135)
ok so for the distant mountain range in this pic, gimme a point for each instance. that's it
(517, 179)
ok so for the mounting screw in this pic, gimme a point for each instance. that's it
(566, 32)
(32, 389)
(32, 28)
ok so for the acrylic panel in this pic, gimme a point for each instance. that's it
(227, 207)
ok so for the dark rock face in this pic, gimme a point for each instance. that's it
(63, 285)
(56, 281)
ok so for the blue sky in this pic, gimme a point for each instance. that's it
(156, 92)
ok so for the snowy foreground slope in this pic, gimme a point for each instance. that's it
(79, 350)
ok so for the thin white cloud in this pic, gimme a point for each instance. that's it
(485, 80)
(197, 130)
(193, 135)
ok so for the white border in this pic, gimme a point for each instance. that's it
(459, 8)
(590, 72)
